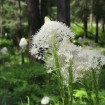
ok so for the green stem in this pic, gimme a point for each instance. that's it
(95, 86)
(57, 65)
(60, 83)
(22, 57)
(70, 87)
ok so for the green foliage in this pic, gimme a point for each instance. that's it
(80, 8)
(78, 30)
(6, 43)
(80, 94)
(102, 78)
(98, 8)
(81, 97)
(10, 17)
(26, 84)
(18, 82)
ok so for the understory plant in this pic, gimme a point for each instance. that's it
(67, 62)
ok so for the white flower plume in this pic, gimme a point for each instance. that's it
(82, 60)
(42, 39)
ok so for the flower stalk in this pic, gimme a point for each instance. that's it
(23, 43)
(95, 87)
(22, 57)
(57, 66)
(70, 85)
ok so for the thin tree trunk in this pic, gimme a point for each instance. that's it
(102, 25)
(33, 16)
(1, 26)
(91, 14)
(68, 12)
(34, 20)
(91, 21)
(44, 9)
(20, 19)
(85, 16)
(96, 37)
(85, 28)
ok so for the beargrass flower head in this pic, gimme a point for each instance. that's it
(4, 51)
(56, 37)
(41, 41)
(81, 60)
(45, 100)
(23, 43)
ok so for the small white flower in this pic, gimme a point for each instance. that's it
(80, 39)
(45, 100)
(49, 71)
(4, 50)
(7, 64)
(39, 57)
(5, 34)
(23, 43)
(68, 57)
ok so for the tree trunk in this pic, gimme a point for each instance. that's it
(91, 14)
(20, 20)
(34, 20)
(91, 21)
(85, 18)
(1, 25)
(33, 16)
(1, 28)
(44, 10)
(63, 11)
(68, 12)
(96, 37)
(85, 27)
(102, 25)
